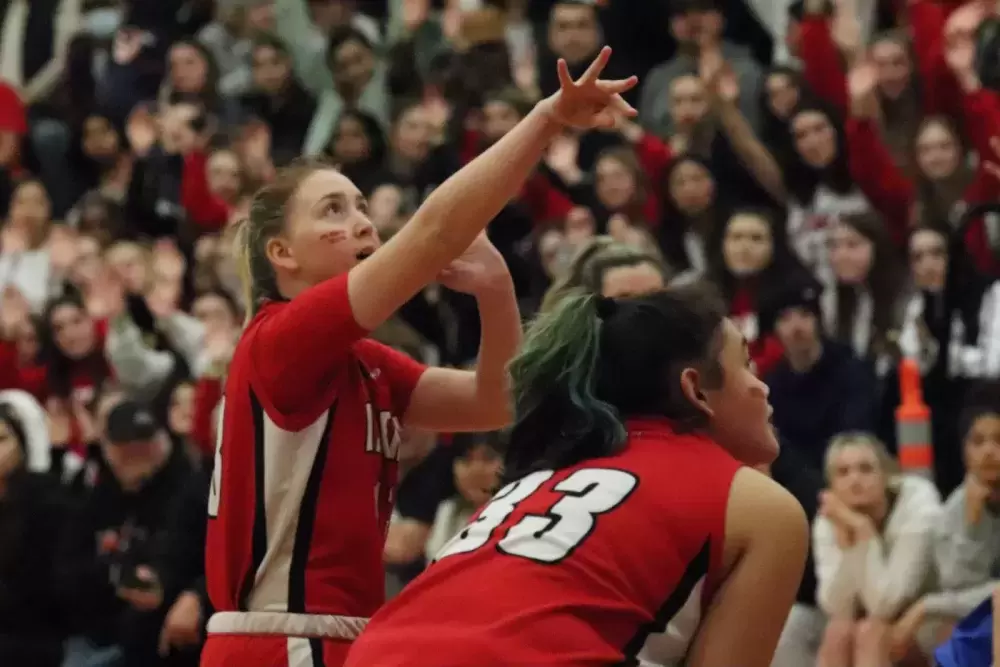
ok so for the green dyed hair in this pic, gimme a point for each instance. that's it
(558, 418)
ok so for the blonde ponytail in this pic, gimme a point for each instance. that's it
(242, 252)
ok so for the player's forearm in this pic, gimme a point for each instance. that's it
(462, 206)
(500, 323)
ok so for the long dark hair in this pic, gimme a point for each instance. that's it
(964, 288)
(60, 367)
(885, 282)
(801, 179)
(592, 362)
(674, 224)
(12, 520)
(770, 280)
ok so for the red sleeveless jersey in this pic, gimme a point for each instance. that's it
(305, 464)
(591, 565)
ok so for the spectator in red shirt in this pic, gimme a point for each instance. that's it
(13, 126)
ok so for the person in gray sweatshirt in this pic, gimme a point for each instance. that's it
(967, 537)
(698, 25)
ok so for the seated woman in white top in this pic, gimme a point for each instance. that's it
(872, 543)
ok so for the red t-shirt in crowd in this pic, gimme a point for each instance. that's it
(12, 115)
(591, 565)
(305, 470)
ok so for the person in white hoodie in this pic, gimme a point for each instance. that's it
(872, 544)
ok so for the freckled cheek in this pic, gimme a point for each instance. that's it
(335, 236)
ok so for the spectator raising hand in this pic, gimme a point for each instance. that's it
(14, 311)
(142, 131)
(562, 155)
(13, 239)
(63, 250)
(862, 84)
(992, 162)
(60, 422)
(106, 298)
(254, 148)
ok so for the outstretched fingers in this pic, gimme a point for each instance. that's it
(616, 86)
(623, 107)
(600, 62)
(565, 80)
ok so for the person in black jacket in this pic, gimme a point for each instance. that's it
(181, 571)
(820, 388)
(279, 100)
(106, 567)
(33, 511)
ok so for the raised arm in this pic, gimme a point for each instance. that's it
(457, 211)
(724, 86)
(444, 230)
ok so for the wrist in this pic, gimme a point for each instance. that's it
(500, 288)
(544, 113)
(969, 82)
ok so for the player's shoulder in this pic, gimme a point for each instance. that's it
(689, 456)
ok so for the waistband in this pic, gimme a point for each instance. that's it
(324, 626)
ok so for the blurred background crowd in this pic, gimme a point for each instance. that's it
(829, 165)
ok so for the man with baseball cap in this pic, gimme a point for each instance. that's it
(107, 563)
(820, 388)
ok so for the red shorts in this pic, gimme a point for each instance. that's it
(272, 651)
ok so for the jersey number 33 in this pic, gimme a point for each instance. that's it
(550, 537)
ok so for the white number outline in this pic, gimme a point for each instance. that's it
(586, 494)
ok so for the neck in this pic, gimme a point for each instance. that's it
(290, 287)
(804, 359)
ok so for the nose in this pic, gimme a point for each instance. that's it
(761, 387)
(364, 228)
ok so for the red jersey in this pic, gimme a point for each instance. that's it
(591, 565)
(305, 466)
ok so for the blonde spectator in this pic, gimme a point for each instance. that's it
(609, 268)
(967, 538)
(872, 547)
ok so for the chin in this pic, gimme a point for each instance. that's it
(761, 449)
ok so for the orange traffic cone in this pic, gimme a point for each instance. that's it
(913, 424)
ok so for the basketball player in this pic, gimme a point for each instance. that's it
(306, 463)
(629, 531)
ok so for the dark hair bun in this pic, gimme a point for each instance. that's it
(606, 307)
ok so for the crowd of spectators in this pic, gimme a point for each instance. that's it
(820, 162)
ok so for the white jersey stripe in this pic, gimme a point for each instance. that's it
(288, 461)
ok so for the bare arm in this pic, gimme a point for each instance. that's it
(724, 87)
(767, 558)
(752, 153)
(456, 212)
(68, 21)
(455, 400)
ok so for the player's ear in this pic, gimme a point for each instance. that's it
(691, 386)
(280, 254)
